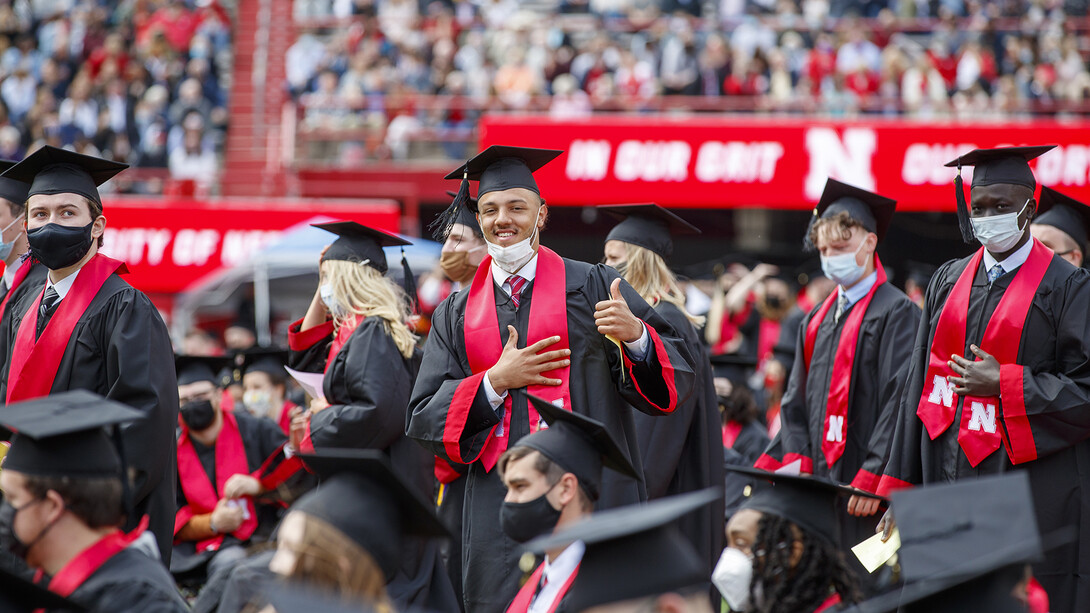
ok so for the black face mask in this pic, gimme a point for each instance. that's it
(58, 246)
(8, 540)
(198, 414)
(523, 521)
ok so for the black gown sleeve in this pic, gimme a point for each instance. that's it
(368, 389)
(447, 395)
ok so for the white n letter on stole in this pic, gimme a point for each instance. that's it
(983, 417)
(942, 390)
(836, 429)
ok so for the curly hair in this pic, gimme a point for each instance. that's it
(839, 226)
(820, 570)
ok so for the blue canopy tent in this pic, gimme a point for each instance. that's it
(283, 276)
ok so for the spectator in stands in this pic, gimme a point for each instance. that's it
(192, 162)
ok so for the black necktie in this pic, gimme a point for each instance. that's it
(45, 311)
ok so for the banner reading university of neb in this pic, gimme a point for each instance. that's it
(740, 161)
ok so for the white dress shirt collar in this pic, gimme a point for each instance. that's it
(1013, 260)
(528, 271)
(556, 574)
(64, 285)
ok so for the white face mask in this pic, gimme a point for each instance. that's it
(513, 257)
(999, 233)
(325, 290)
(732, 576)
(843, 269)
(259, 402)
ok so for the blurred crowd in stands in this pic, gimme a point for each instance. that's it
(139, 81)
(371, 65)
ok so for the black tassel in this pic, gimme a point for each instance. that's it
(808, 245)
(440, 228)
(964, 223)
(409, 283)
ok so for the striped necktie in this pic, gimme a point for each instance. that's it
(516, 283)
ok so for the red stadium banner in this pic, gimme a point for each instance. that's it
(168, 244)
(737, 161)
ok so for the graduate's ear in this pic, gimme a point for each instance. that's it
(797, 549)
(99, 226)
(1031, 209)
(568, 490)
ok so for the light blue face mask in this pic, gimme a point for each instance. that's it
(6, 247)
(843, 269)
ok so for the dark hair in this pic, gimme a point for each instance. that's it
(807, 585)
(17, 208)
(840, 222)
(740, 406)
(552, 471)
(97, 502)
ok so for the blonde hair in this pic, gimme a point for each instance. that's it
(363, 291)
(328, 560)
(648, 274)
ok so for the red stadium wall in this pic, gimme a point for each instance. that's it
(779, 163)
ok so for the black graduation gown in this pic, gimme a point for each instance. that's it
(261, 438)
(752, 441)
(883, 349)
(367, 387)
(681, 452)
(35, 279)
(127, 582)
(597, 389)
(120, 349)
(1054, 351)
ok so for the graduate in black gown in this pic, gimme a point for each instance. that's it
(1063, 225)
(743, 431)
(102, 335)
(841, 401)
(682, 452)
(229, 466)
(998, 379)
(355, 332)
(64, 500)
(510, 334)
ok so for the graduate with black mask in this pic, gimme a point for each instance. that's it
(553, 479)
(1063, 225)
(532, 322)
(998, 378)
(680, 454)
(83, 327)
(65, 497)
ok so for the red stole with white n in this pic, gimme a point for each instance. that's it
(980, 433)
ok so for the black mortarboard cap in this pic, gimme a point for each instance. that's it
(1065, 214)
(955, 534)
(10, 189)
(362, 495)
(194, 368)
(359, 243)
(1005, 165)
(808, 502)
(21, 595)
(51, 170)
(633, 552)
(647, 225)
(579, 444)
(497, 168)
(873, 211)
(63, 435)
(269, 360)
(733, 366)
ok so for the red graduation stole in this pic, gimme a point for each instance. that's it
(198, 490)
(88, 561)
(979, 433)
(836, 407)
(548, 317)
(43, 356)
(522, 601)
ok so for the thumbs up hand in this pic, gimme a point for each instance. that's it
(615, 319)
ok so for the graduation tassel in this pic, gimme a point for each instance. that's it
(409, 283)
(964, 223)
(440, 228)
